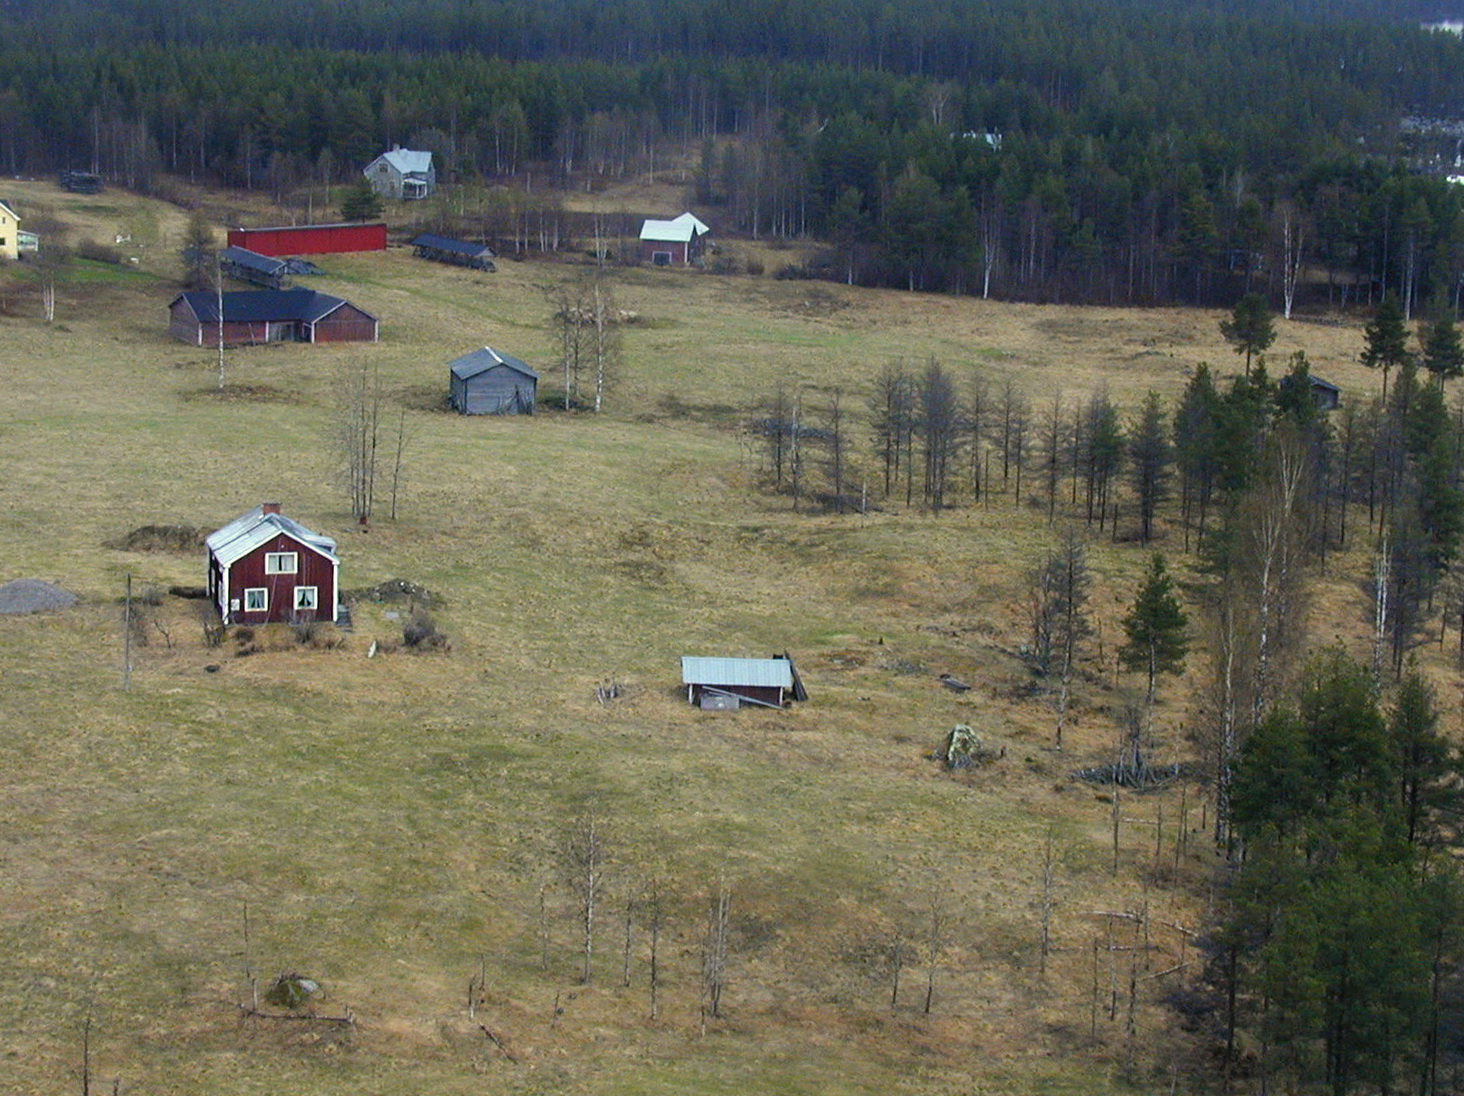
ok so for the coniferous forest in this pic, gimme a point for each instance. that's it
(1103, 151)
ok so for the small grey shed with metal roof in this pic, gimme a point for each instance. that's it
(719, 683)
(486, 382)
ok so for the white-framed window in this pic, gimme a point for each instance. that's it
(306, 597)
(256, 599)
(281, 563)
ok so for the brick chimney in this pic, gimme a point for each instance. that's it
(270, 508)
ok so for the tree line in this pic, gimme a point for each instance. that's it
(949, 146)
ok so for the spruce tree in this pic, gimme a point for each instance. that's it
(1442, 351)
(361, 203)
(1385, 339)
(1155, 630)
(1150, 457)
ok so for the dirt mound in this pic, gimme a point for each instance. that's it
(31, 595)
(260, 393)
(159, 538)
(395, 590)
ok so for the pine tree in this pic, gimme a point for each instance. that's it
(1250, 329)
(1385, 339)
(1425, 761)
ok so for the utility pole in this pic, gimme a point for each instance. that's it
(127, 638)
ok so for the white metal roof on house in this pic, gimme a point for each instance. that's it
(407, 161)
(681, 230)
(470, 365)
(245, 533)
(769, 672)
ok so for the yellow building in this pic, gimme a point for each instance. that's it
(9, 233)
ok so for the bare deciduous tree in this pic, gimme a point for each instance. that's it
(940, 429)
(585, 866)
(403, 439)
(588, 321)
(714, 953)
(655, 919)
(358, 430)
(934, 947)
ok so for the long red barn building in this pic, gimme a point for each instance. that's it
(268, 315)
(310, 239)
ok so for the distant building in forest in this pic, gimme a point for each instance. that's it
(402, 174)
(678, 242)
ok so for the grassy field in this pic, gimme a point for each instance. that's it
(394, 825)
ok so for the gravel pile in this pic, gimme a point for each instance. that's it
(31, 595)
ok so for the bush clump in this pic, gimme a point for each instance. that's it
(293, 991)
(421, 634)
(99, 252)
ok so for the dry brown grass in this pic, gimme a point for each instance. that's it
(390, 821)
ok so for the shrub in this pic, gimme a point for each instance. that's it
(292, 991)
(99, 252)
(421, 634)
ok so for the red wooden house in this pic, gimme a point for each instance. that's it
(269, 315)
(265, 568)
(310, 239)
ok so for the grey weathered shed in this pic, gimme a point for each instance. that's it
(251, 266)
(1327, 394)
(486, 382)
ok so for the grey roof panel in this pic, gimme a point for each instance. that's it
(251, 260)
(248, 531)
(766, 672)
(479, 361)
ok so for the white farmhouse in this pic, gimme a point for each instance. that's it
(402, 174)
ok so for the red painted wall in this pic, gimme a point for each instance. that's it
(314, 570)
(346, 324)
(648, 249)
(310, 239)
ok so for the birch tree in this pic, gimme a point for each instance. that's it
(585, 865)
(358, 433)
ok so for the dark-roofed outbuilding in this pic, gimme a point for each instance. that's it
(486, 382)
(269, 315)
(1327, 394)
(251, 266)
(441, 249)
